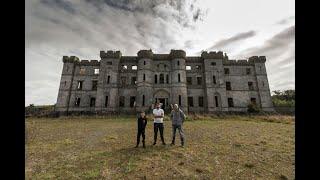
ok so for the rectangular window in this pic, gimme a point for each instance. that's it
(94, 85)
(248, 71)
(213, 63)
(226, 71)
(79, 85)
(250, 85)
(124, 67)
(96, 71)
(216, 101)
(214, 79)
(189, 80)
(198, 67)
(155, 79)
(144, 62)
(123, 80)
(200, 101)
(92, 102)
(228, 86)
(179, 77)
(77, 102)
(106, 102)
(134, 67)
(190, 101)
(230, 102)
(167, 78)
(109, 63)
(108, 80)
(143, 100)
(253, 101)
(188, 68)
(178, 63)
(121, 101)
(144, 77)
(179, 100)
(199, 80)
(161, 79)
(133, 80)
(132, 101)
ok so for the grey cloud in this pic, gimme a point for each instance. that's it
(285, 21)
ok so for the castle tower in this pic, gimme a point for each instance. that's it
(66, 81)
(179, 94)
(107, 90)
(144, 80)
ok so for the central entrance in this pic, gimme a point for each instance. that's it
(162, 96)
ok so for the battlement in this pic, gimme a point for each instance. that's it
(110, 54)
(88, 63)
(177, 54)
(145, 54)
(257, 59)
(213, 55)
(71, 59)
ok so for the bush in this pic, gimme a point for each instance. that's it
(253, 108)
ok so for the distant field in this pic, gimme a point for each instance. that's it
(231, 147)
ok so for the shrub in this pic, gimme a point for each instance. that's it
(253, 108)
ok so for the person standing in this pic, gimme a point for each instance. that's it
(142, 123)
(177, 118)
(158, 114)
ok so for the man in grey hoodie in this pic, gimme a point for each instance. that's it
(177, 118)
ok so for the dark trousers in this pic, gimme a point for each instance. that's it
(174, 128)
(141, 132)
(157, 126)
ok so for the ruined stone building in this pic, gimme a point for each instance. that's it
(208, 83)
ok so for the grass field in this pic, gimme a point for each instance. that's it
(230, 147)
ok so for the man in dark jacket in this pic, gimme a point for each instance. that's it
(177, 118)
(142, 122)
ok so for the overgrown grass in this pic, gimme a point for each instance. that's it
(217, 147)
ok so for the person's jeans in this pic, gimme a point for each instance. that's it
(141, 132)
(174, 128)
(157, 126)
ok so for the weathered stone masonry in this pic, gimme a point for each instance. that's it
(209, 83)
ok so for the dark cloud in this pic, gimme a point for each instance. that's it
(285, 21)
(222, 44)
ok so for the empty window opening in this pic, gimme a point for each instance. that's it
(82, 70)
(200, 101)
(188, 68)
(190, 101)
(165, 66)
(132, 101)
(248, 71)
(92, 102)
(213, 63)
(109, 63)
(77, 102)
(226, 71)
(134, 67)
(214, 79)
(179, 100)
(94, 85)
(253, 101)
(230, 102)
(124, 67)
(161, 80)
(155, 79)
(79, 85)
(179, 77)
(65, 83)
(167, 78)
(216, 101)
(108, 80)
(199, 80)
(144, 62)
(228, 86)
(121, 101)
(106, 102)
(123, 80)
(133, 80)
(250, 85)
(189, 80)
(198, 67)
(143, 100)
(96, 71)
(178, 63)
(144, 77)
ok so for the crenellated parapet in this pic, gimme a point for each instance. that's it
(177, 54)
(88, 63)
(110, 54)
(257, 59)
(71, 59)
(213, 55)
(148, 54)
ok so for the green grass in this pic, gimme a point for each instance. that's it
(237, 147)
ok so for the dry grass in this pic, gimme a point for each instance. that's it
(237, 147)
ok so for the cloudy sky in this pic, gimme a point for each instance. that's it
(241, 28)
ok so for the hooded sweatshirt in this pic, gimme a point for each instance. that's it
(177, 117)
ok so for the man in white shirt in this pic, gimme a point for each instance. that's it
(158, 114)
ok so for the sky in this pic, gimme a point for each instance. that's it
(82, 28)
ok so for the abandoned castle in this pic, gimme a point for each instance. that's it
(126, 84)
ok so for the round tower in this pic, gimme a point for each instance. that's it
(179, 93)
(144, 80)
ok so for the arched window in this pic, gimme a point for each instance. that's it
(161, 79)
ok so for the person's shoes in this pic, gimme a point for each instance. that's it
(136, 146)
(172, 144)
(163, 143)
(154, 143)
(144, 146)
